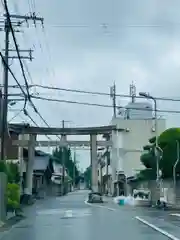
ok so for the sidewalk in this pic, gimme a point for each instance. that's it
(12, 220)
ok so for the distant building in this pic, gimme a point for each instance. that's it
(138, 120)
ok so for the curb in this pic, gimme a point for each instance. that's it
(6, 232)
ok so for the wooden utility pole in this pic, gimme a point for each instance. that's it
(4, 101)
(8, 27)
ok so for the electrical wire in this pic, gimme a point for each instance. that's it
(17, 48)
(27, 96)
(94, 92)
(12, 74)
(16, 115)
(28, 115)
(4, 62)
(98, 105)
(98, 93)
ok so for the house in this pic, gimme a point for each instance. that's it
(42, 171)
(57, 178)
(104, 171)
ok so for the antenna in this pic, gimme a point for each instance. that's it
(132, 92)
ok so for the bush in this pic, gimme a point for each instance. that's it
(13, 197)
(3, 167)
(13, 173)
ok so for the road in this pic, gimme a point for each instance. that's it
(69, 217)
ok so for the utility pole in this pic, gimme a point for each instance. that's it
(113, 97)
(63, 162)
(4, 102)
(74, 168)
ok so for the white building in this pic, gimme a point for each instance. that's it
(139, 126)
(58, 173)
(130, 143)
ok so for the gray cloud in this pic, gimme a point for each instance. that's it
(103, 49)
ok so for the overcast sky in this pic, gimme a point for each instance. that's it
(89, 45)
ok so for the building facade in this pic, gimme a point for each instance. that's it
(130, 143)
(137, 119)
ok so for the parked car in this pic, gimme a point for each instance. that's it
(95, 197)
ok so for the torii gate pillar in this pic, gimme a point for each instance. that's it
(30, 165)
(94, 164)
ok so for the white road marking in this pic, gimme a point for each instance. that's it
(68, 214)
(100, 206)
(175, 214)
(170, 236)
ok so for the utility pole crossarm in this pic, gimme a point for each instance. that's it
(25, 17)
(20, 50)
(22, 57)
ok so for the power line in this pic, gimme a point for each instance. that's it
(109, 26)
(16, 115)
(12, 74)
(21, 87)
(99, 105)
(99, 93)
(17, 48)
(28, 97)
(94, 92)
(27, 115)
(23, 90)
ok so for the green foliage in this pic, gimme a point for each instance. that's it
(168, 143)
(13, 197)
(69, 163)
(87, 176)
(152, 140)
(148, 160)
(3, 167)
(147, 173)
(169, 135)
(169, 159)
(147, 147)
(13, 172)
(13, 191)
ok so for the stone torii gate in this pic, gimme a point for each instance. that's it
(30, 142)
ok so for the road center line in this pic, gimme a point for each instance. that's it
(175, 214)
(100, 206)
(170, 236)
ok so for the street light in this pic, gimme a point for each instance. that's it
(148, 96)
(175, 165)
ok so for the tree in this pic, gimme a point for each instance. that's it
(87, 176)
(168, 143)
(11, 170)
(69, 163)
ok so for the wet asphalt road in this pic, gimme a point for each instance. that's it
(68, 218)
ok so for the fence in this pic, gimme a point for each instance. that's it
(166, 190)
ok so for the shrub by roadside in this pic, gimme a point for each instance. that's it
(13, 197)
(13, 189)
